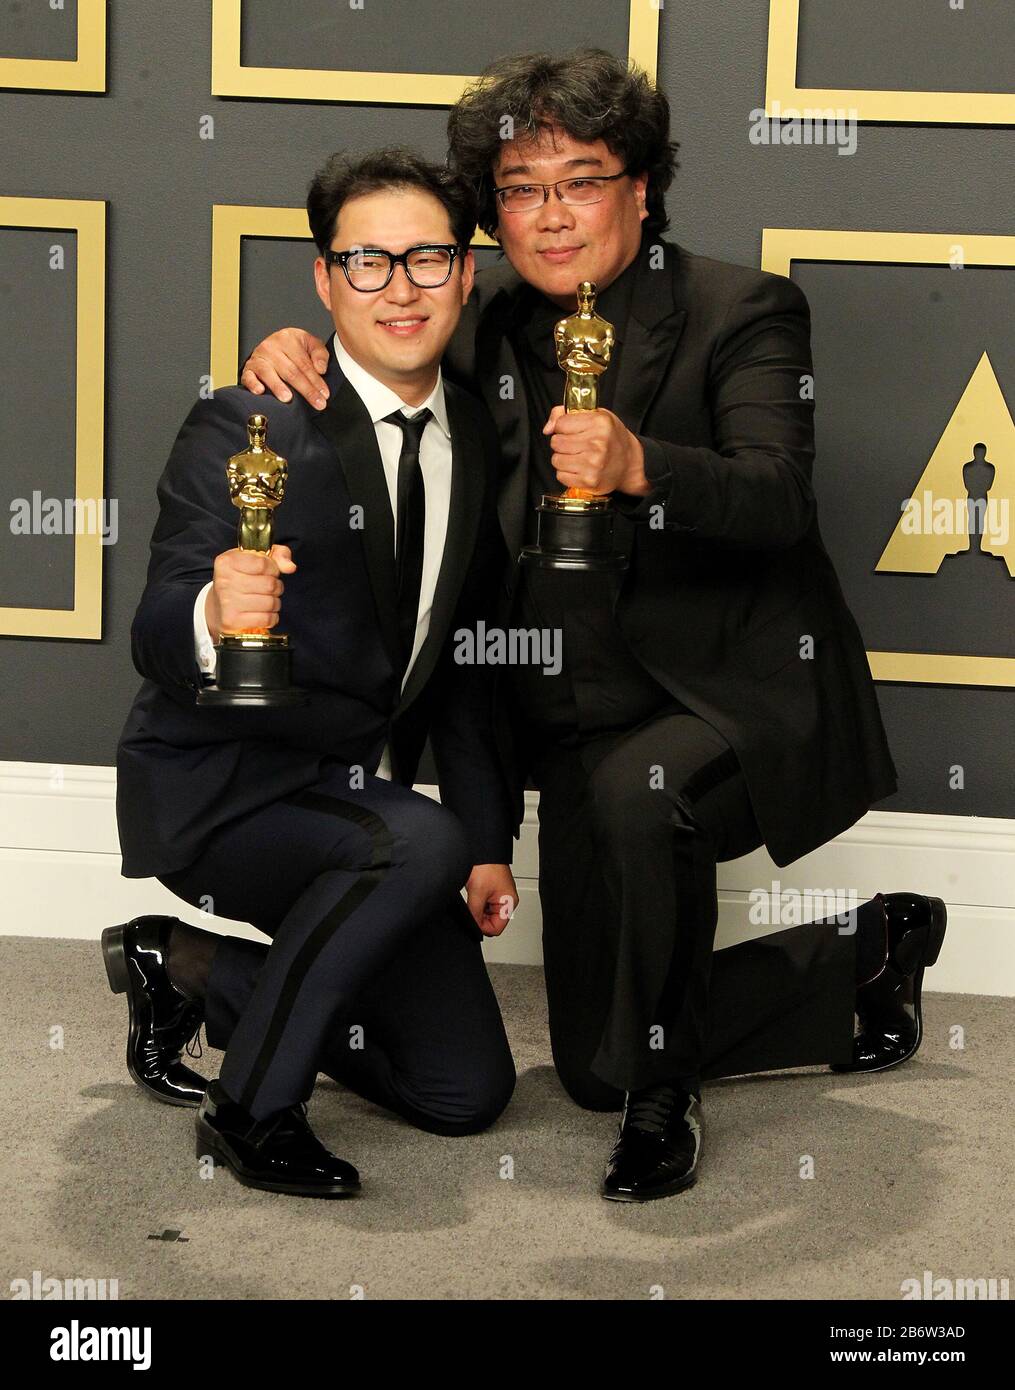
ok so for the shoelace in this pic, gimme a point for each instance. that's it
(196, 1039)
(650, 1108)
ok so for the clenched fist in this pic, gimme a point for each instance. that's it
(594, 450)
(246, 590)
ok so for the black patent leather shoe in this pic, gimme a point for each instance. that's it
(658, 1145)
(280, 1153)
(162, 1019)
(889, 1006)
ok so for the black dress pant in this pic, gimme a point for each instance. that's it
(375, 973)
(639, 799)
(631, 828)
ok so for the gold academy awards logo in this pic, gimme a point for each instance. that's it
(966, 494)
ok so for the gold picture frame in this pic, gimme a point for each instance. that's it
(88, 220)
(931, 108)
(780, 247)
(230, 78)
(85, 73)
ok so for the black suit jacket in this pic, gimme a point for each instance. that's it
(183, 770)
(717, 602)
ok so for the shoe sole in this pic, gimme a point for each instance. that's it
(935, 940)
(114, 958)
(208, 1146)
(936, 935)
(669, 1191)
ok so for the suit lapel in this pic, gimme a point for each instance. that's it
(467, 487)
(496, 364)
(655, 325)
(654, 328)
(346, 424)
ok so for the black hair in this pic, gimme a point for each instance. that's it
(590, 94)
(343, 178)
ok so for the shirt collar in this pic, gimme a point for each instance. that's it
(380, 400)
(539, 314)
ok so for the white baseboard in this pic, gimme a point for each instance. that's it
(60, 870)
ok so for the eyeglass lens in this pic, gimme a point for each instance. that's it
(524, 196)
(428, 267)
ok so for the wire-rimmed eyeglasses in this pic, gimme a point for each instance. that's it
(525, 197)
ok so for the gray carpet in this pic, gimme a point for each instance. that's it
(912, 1171)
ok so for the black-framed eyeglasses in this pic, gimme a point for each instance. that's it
(525, 197)
(369, 268)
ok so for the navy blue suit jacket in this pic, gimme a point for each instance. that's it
(184, 770)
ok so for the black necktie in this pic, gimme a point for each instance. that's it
(409, 527)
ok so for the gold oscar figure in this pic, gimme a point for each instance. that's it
(256, 485)
(254, 665)
(584, 343)
(576, 526)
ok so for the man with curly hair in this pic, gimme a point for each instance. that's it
(715, 698)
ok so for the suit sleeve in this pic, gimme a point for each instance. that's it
(469, 771)
(754, 488)
(463, 733)
(196, 522)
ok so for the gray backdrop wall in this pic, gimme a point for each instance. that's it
(894, 346)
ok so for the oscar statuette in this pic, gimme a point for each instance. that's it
(575, 529)
(254, 666)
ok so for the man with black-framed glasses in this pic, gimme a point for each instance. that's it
(303, 821)
(370, 268)
(719, 698)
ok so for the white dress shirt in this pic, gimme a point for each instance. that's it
(435, 465)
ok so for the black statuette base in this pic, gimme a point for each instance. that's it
(574, 540)
(253, 676)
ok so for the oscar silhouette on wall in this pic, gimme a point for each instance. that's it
(978, 476)
(957, 496)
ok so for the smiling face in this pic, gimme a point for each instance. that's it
(557, 245)
(397, 334)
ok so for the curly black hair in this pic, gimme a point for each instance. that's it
(590, 94)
